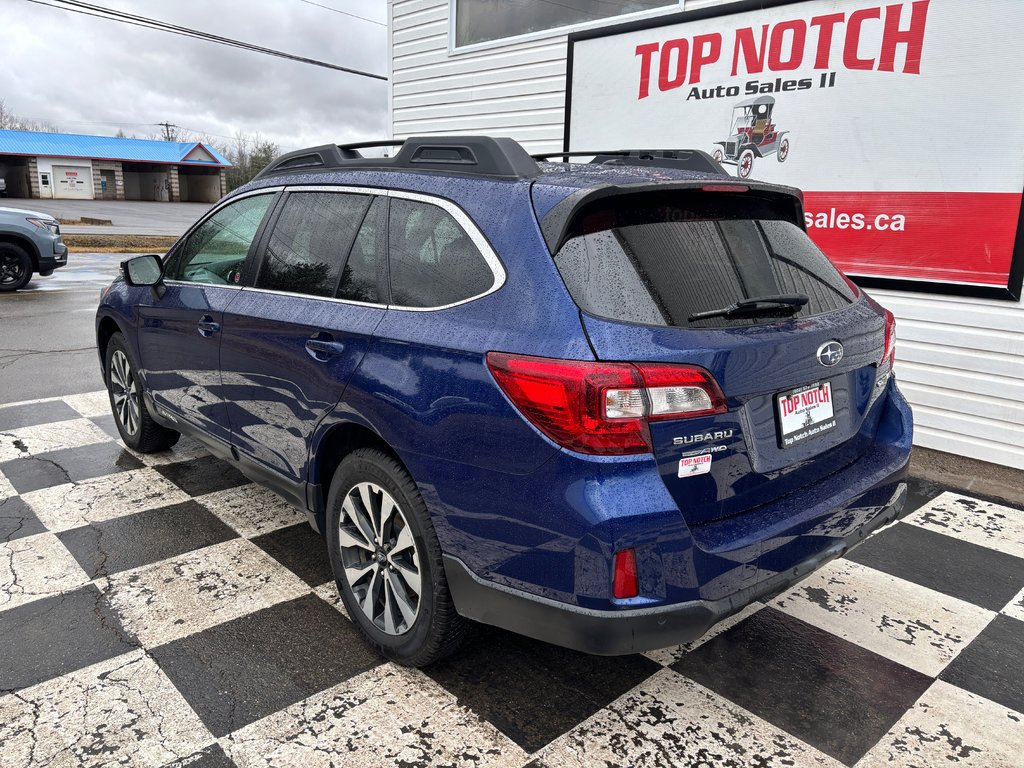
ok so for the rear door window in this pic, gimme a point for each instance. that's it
(658, 261)
(310, 242)
(359, 278)
(432, 261)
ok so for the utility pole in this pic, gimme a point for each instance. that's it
(168, 136)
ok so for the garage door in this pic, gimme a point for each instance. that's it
(72, 181)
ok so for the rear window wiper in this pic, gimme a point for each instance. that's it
(756, 306)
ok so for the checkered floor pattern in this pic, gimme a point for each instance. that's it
(161, 610)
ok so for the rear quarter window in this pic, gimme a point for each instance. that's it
(433, 261)
(661, 261)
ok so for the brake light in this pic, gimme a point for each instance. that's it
(624, 583)
(888, 357)
(603, 408)
(889, 351)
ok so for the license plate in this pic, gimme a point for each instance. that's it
(804, 412)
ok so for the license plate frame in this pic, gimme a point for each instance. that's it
(799, 421)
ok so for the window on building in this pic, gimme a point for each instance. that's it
(433, 261)
(310, 242)
(215, 252)
(480, 21)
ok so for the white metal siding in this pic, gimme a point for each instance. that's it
(514, 90)
(960, 361)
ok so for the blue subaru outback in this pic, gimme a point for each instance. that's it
(604, 404)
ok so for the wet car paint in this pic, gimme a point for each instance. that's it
(514, 507)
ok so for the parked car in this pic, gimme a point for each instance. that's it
(605, 405)
(753, 134)
(30, 242)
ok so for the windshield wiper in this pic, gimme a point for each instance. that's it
(757, 306)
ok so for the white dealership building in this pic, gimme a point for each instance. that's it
(885, 107)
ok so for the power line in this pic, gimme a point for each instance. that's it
(344, 13)
(87, 9)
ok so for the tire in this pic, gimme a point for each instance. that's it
(15, 267)
(783, 151)
(136, 427)
(376, 568)
(745, 163)
(718, 156)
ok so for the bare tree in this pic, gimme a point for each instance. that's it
(6, 118)
(12, 122)
(249, 154)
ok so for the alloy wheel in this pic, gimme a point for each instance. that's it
(11, 269)
(125, 392)
(380, 558)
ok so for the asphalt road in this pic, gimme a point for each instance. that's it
(47, 336)
(127, 217)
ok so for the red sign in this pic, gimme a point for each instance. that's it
(900, 121)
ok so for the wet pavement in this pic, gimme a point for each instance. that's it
(162, 610)
(47, 331)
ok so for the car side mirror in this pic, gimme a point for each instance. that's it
(143, 271)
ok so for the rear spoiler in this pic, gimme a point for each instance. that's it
(555, 224)
(679, 159)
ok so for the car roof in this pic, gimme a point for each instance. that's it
(471, 171)
(572, 175)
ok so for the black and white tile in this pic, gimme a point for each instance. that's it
(163, 611)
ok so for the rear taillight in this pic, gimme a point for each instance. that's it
(888, 357)
(603, 408)
(889, 351)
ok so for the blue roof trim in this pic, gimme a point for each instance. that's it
(34, 143)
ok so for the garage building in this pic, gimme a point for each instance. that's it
(71, 166)
(500, 68)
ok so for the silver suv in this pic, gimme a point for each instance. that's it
(29, 242)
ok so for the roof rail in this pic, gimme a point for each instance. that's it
(471, 155)
(683, 159)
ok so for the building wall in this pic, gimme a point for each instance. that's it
(33, 178)
(960, 361)
(151, 185)
(109, 171)
(84, 167)
(199, 188)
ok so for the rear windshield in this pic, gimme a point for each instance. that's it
(659, 260)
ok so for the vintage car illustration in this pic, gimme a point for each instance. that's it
(753, 134)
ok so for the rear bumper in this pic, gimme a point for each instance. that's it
(610, 633)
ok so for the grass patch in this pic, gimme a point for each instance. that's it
(119, 243)
(85, 221)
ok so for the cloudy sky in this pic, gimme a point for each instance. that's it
(63, 67)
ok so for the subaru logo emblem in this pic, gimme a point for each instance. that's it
(830, 353)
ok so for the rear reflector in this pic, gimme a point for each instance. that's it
(624, 582)
(603, 408)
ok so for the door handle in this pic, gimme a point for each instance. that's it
(207, 326)
(323, 349)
